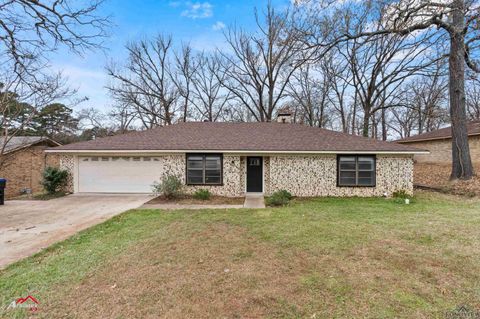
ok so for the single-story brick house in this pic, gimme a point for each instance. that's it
(23, 161)
(439, 143)
(231, 159)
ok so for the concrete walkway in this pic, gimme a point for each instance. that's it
(27, 226)
(254, 201)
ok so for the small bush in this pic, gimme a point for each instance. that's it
(279, 198)
(203, 194)
(401, 195)
(285, 194)
(54, 179)
(170, 186)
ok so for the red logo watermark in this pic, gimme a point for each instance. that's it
(29, 302)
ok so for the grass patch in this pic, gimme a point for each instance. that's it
(324, 257)
(193, 200)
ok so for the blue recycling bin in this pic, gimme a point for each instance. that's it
(3, 184)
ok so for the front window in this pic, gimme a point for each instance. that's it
(356, 170)
(204, 169)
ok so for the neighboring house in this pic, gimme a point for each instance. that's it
(23, 161)
(439, 143)
(231, 159)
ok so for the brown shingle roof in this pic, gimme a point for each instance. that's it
(473, 128)
(206, 136)
(14, 143)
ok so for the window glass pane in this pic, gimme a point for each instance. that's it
(212, 176)
(365, 174)
(347, 178)
(356, 171)
(365, 178)
(195, 162)
(347, 181)
(195, 180)
(365, 181)
(204, 169)
(195, 176)
(347, 163)
(212, 179)
(212, 162)
(365, 163)
(254, 162)
(212, 172)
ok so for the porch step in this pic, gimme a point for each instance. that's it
(254, 201)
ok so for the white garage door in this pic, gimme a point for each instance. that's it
(118, 174)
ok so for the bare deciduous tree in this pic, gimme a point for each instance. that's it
(380, 65)
(209, 97)
(29, 31)
(340, 77)
(123, 117)
(20, 101)
(423, 107)
(428, 97)
(183, 73)
(472, 90)
(261, 64)
(146, 82)
(458, 20)
(309, 89)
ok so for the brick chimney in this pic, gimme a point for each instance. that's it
(284, 115)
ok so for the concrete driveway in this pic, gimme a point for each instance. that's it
(28, 226)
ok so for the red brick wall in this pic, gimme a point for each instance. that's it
(441, 150)
(23, 169)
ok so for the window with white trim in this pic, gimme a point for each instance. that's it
(204, 169)
(356, 170)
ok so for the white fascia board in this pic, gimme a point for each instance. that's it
(160, 152)
(432, 139)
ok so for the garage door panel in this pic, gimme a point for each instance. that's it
(118, 174)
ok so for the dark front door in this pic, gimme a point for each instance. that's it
(254, 174)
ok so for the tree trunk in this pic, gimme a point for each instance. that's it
(374, 128)
(420, 119)
(185, 110)
(384, 125)
(461, 162)
(354, 116)
(366, 122)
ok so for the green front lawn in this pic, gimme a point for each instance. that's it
(320, 258)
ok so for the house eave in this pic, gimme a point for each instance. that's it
(259, 152)
(431, 139)
(21, 147)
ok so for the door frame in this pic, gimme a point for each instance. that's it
(263, 174)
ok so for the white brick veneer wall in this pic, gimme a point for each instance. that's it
(317, 176)
(303, 175)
